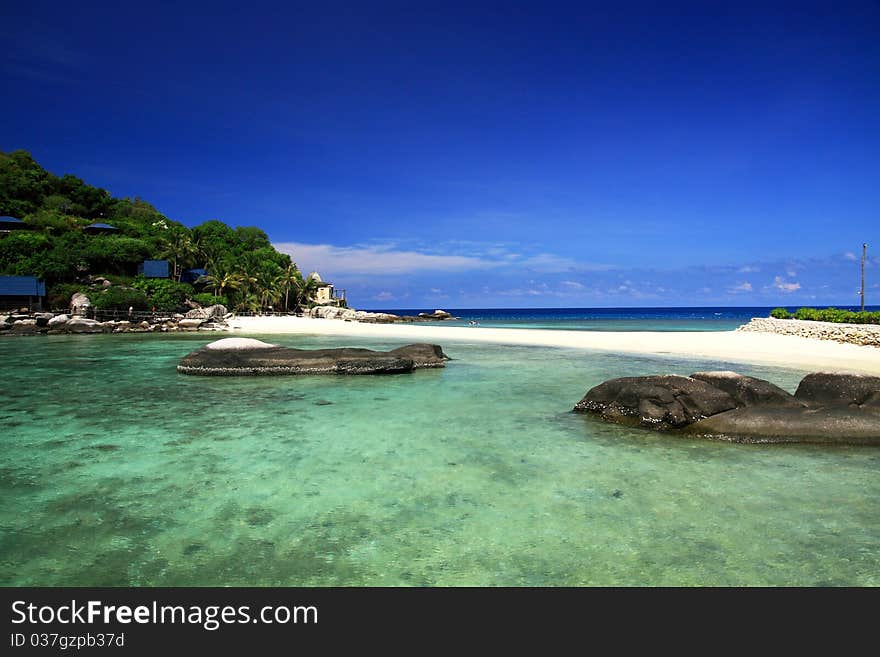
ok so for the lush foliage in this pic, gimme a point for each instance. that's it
(245, 271)
(164, 294)
(205, 299)
(835, 315)
(119, 298)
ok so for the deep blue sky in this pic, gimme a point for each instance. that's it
(481, 154)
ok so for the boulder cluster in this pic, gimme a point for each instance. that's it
(250, 357)
(863, 334)
(826, 408)
(212, 318)
(351, 315)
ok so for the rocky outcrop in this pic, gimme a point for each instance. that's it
(422, 355)
(42, 319)
(249, 357)
(827, 407)
(83, 325)
(747, 390)
(219, 311)
(830, 424)
(24, 326)
(437, 314)
(839, 389)
(80, 304)
(351, 315)
(863, 334)
(658, 402)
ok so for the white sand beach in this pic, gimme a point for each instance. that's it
(731, 346)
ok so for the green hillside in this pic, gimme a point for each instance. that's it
(245, 271)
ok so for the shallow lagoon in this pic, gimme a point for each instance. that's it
(115, 470)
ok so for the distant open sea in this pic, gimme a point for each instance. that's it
(609, 319)
(116, 470)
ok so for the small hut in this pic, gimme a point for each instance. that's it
(9, 224)
(100, 229)
(21, 292)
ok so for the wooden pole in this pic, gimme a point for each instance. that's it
(864, 256)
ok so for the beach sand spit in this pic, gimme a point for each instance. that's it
(731, 346)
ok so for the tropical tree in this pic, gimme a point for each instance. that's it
(306, 289)
(290, 279)
(268, 287)
(179, 247)
(222, 281)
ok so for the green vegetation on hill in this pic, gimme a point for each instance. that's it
(828, 315)
(244, 270)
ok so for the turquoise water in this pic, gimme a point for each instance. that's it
(116, 470)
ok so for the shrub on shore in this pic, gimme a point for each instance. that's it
(119, 298)
(206, 299)
(834, 315)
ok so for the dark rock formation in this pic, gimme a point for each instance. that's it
(747, 390)
(660, 402)
(248, 357)
(832, 424)
(827, 408)
(830, 388)
(422, 355)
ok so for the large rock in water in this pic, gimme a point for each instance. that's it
(747, 390)
(249, 357)
(827, 408)
(831, 388)
(658, 402)
(831, 424)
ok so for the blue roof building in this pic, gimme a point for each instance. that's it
(192, 275)
(153, 269)
(21, 291)
(97, 229)
(11, 223)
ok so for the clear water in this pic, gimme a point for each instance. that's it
(115, 470)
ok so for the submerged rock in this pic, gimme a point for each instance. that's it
(827, 408)
(249, 357)
(832, 424)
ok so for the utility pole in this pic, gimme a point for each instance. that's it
(864, 256)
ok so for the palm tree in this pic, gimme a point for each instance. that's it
(306, 289)
(290, 278)
(180, 248)
(268, 287)
(222, 281)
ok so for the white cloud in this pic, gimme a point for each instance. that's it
(391, 258)
(549, 263)
(574, 285)
(849, 255)
(742, 287)
(375, 260)
(384, 296)
(748, 269)
(785, 286)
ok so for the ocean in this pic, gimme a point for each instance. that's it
(606, 319)
(116, 470)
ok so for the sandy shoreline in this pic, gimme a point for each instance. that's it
(733, 346)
